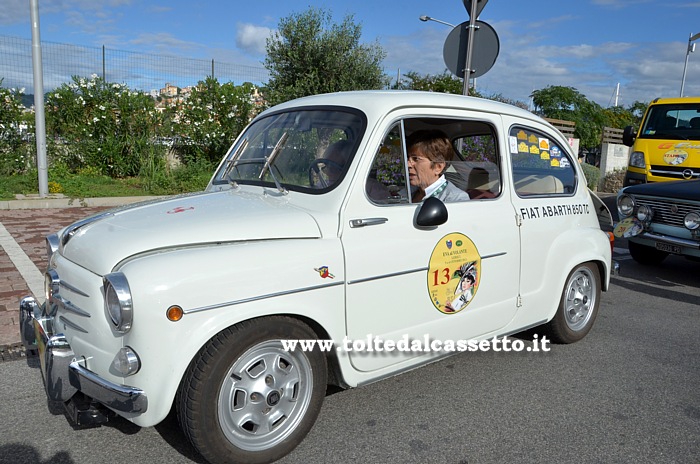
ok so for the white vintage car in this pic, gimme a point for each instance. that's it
(193, 301)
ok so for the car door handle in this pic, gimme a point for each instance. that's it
(367, 222)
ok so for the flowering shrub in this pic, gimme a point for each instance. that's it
(208, 122)
(479, 148)
(15, 154)
(95, 123)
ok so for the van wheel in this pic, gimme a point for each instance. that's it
(578, 307)
(245, 399)
(644, 254)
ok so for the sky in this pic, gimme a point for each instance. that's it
(595, 46)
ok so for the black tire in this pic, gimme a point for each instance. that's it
(246, 400)
(578, 307)
(646, 255)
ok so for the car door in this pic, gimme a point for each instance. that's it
(401, 277)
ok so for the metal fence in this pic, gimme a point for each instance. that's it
(139, 71)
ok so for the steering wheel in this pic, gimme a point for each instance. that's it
(315, 169)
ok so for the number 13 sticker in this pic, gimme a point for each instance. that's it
(454, 273)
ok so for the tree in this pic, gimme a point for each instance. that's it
(567, 103)
(445, 82)
(309, 55)
(619, 117)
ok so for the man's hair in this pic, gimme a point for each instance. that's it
(434, 143)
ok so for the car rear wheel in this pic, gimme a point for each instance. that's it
(245, 399)
(644, 254)
(578, 307)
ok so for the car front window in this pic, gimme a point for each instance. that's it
(307, 150)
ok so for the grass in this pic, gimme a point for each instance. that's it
(91, 185)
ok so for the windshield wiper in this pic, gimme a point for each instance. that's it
(270, 159)
(233, 162)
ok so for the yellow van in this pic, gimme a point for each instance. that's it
(667, 145)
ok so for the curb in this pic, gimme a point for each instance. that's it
(35, 202)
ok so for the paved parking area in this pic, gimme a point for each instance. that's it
(23, 261)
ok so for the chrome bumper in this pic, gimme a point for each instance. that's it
(63, 373)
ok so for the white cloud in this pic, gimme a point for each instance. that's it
(252, 38)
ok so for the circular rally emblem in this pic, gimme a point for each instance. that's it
(454, 273)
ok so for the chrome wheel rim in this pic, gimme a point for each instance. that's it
(264, 396)
(580, 299)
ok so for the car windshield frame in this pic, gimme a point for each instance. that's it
(284, 149)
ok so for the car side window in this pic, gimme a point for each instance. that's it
(477, 164)
(464, 151)
(386, 183)
(540, 165)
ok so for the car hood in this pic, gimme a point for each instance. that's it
(99, 243)
(681, 190)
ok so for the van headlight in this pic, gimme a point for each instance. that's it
(625, 205)
(118, 302)
(637, 160)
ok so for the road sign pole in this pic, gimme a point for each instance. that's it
(470, 48)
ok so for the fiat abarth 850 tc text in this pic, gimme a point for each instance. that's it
(357, 218)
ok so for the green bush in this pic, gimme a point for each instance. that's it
(16, 153)
(211, 118)
(91, 122)
(592, 174)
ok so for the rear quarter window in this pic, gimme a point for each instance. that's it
(540, 166)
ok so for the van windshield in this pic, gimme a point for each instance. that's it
(672, 121)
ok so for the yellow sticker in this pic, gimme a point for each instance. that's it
(522, 135)
(454, 273)
(534, 150)
(522, 147)
(533, 139)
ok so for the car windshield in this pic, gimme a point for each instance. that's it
(307, 150)
(675, 122)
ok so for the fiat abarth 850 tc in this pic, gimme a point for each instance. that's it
(336, 217)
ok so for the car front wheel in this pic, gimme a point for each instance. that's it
(578, 307)
(245, 399)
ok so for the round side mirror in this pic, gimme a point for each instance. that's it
(432, 212)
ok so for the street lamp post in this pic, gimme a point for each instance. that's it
(428, 18)
(691, 49)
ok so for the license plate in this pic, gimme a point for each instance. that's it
(668, 248)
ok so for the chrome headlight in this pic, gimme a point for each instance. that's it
(52, 242)
(118, 302)
(625, 205)
(51, 284)
(637, 160)
(692, 220)
(645, 214)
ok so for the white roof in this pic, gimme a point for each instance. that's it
(372, 101)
